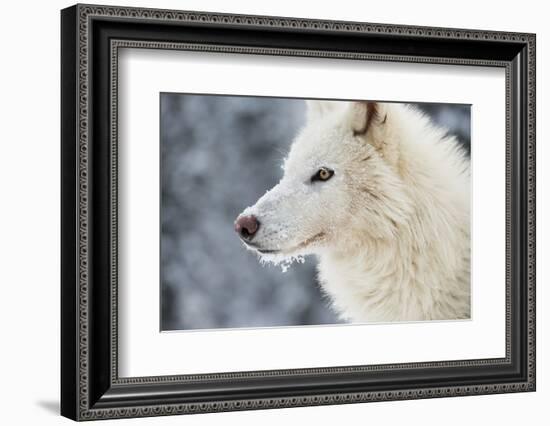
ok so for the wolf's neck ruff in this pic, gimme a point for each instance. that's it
(396, 280)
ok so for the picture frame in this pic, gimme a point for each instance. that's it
(91, 387)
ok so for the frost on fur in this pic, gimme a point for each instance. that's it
(381, 197)
(284, 261)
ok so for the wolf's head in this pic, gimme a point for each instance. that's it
(341, 178)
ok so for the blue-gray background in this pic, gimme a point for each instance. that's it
(219, 154)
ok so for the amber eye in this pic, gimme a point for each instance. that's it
(323, 174)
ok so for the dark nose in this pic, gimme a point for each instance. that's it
(247, 226)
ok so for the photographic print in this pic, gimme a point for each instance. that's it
(292, 212)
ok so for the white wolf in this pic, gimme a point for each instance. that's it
(382, 197)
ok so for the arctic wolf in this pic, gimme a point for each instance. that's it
(382, 197)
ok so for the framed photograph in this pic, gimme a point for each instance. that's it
(263, 212)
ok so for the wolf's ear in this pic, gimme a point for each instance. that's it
(369, 122)
(318, 109)
(363, 116)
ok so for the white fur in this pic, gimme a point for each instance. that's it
(391, 228)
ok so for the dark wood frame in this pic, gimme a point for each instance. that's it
(90, 386)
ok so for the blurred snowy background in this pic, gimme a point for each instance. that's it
(218, 155)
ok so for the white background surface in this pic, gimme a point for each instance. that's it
(29, 213)
(146, 352)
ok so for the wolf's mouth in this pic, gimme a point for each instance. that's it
(290, 250)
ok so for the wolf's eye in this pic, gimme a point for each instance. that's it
(323, 174)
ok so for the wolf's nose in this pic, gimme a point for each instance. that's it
(247, 226)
